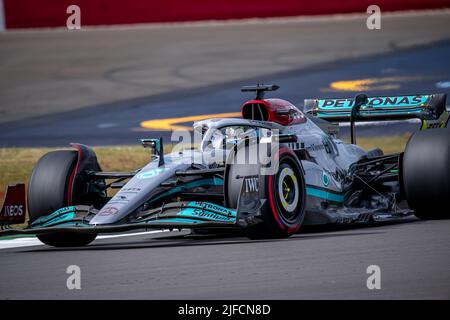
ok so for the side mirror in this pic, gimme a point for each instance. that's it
(156, 145)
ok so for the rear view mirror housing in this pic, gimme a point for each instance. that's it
(156, 145)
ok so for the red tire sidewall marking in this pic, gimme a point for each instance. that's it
(72, 176)
(283, 227)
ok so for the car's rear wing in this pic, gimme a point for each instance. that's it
(430, 108)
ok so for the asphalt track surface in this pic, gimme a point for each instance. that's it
(414, 260)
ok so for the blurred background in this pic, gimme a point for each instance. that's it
(136, 68)
(47, 13)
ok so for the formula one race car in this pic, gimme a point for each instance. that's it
(307, 175)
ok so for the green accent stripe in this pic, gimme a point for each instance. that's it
(318, 193)
(197, 183)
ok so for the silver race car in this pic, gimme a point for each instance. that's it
(267, 174)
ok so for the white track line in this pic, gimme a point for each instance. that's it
(28, 242)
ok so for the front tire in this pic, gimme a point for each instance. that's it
(284, 191)
(67, 239)
(49, 190)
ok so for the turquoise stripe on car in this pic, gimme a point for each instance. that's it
(319, 193)
(179, 220)
(197, 213)
(197, 183)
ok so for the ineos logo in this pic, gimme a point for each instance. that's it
(14, 210)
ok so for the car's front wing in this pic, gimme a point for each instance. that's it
(177, 215)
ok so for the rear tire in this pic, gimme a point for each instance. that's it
(426, 173)
(48, 191)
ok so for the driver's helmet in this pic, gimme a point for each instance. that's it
(233, 133)
(216, 139)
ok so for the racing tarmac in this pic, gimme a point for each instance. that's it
(413, 257)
